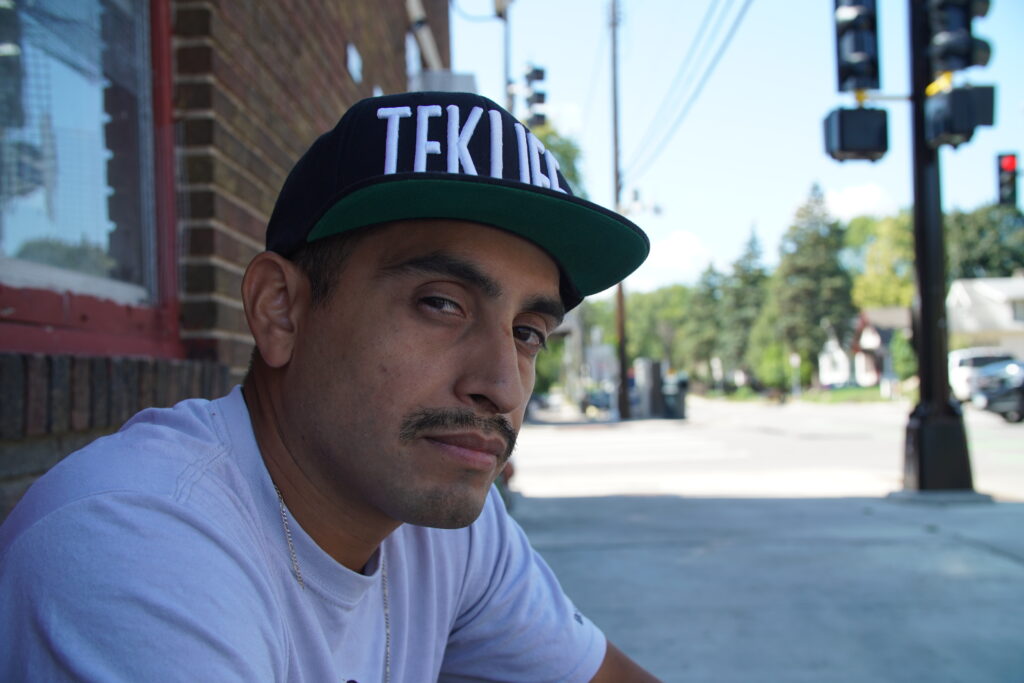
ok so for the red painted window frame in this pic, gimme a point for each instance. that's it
(45, 321)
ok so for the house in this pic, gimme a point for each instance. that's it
(872, 336)
(833, 363)
(987, 311)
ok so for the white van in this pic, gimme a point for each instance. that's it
(964, 363)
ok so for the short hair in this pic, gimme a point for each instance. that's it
(322, 261)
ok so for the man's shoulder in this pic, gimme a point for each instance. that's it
(156, 453)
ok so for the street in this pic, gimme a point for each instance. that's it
(754, 449)
(755, 542)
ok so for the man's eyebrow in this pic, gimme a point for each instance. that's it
(442, 263)
(448, 265)
(548, 306)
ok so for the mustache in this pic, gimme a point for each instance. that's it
(416, 424)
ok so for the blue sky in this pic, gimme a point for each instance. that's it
(746, 154)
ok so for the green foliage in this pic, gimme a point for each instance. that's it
(83, 257)
(743, 294)
(702, 326)
(843, 395)
(904, 360)
(549, 366)
(598, 316)
(812, 287)
(567, 152)
(986, 242)
(655, 321)
(887, 275)
(765, 354)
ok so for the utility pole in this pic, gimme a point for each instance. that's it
(501, 10)
(936, 456)
(620, 297)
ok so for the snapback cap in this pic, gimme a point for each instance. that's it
(458, 156)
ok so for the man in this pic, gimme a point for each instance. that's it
(335, 519)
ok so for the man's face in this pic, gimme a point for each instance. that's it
(407, 387)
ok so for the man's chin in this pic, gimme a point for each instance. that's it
(443, 510)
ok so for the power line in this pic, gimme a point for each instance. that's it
(639, 168)
(471, 17)
(677, 81)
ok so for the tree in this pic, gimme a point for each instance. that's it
(887, 276)
(766, 354)
(655, 320)
(566, 151)
(987, 242)
(904, 359)
(703, 322)
(84, 257)
(812, 288)
(549, 366)
(743, 295)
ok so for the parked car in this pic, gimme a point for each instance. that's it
(965, 363)
(999, 388)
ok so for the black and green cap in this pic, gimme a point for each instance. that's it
(451, 156)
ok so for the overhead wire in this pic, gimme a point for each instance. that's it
(671, 95)
(471, 17)
(638, 168)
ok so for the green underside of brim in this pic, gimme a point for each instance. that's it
(595, 249)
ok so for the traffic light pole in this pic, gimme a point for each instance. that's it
(936, 456)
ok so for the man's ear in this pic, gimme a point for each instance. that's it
(276, 294)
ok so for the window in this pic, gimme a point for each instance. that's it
(1018, 310)
(86, 177)
(76, 166)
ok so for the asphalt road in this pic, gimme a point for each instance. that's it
(753, 449)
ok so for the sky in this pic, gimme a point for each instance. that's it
(745, 154)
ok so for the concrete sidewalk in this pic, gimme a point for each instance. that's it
(795, 589)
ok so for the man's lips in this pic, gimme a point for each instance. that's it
(490, 445)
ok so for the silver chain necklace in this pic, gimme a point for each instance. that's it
(383, 583)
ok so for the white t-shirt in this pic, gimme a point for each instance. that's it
(158, 554)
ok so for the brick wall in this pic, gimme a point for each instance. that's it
(256, 83)
(52, 405)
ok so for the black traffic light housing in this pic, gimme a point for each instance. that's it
(535, 97)
(951, 117)
(952, 114)
(860, 133)
(856, 45)
(952, 45)
(1006, 172)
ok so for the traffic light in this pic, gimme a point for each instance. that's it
(952, 45)
(951, 117)
(1006, 168)
(12, 112)
(860, 133)
(952, 114)
(856, 45)
(535, 98)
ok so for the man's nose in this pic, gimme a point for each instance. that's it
(492, 379)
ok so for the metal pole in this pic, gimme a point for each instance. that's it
(620, 297)
(510, 101)
(936, 456)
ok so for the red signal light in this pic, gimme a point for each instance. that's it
(1008, 163)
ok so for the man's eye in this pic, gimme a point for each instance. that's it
(530, 336)
(440, 303)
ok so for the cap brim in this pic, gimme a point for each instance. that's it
(596, 248)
